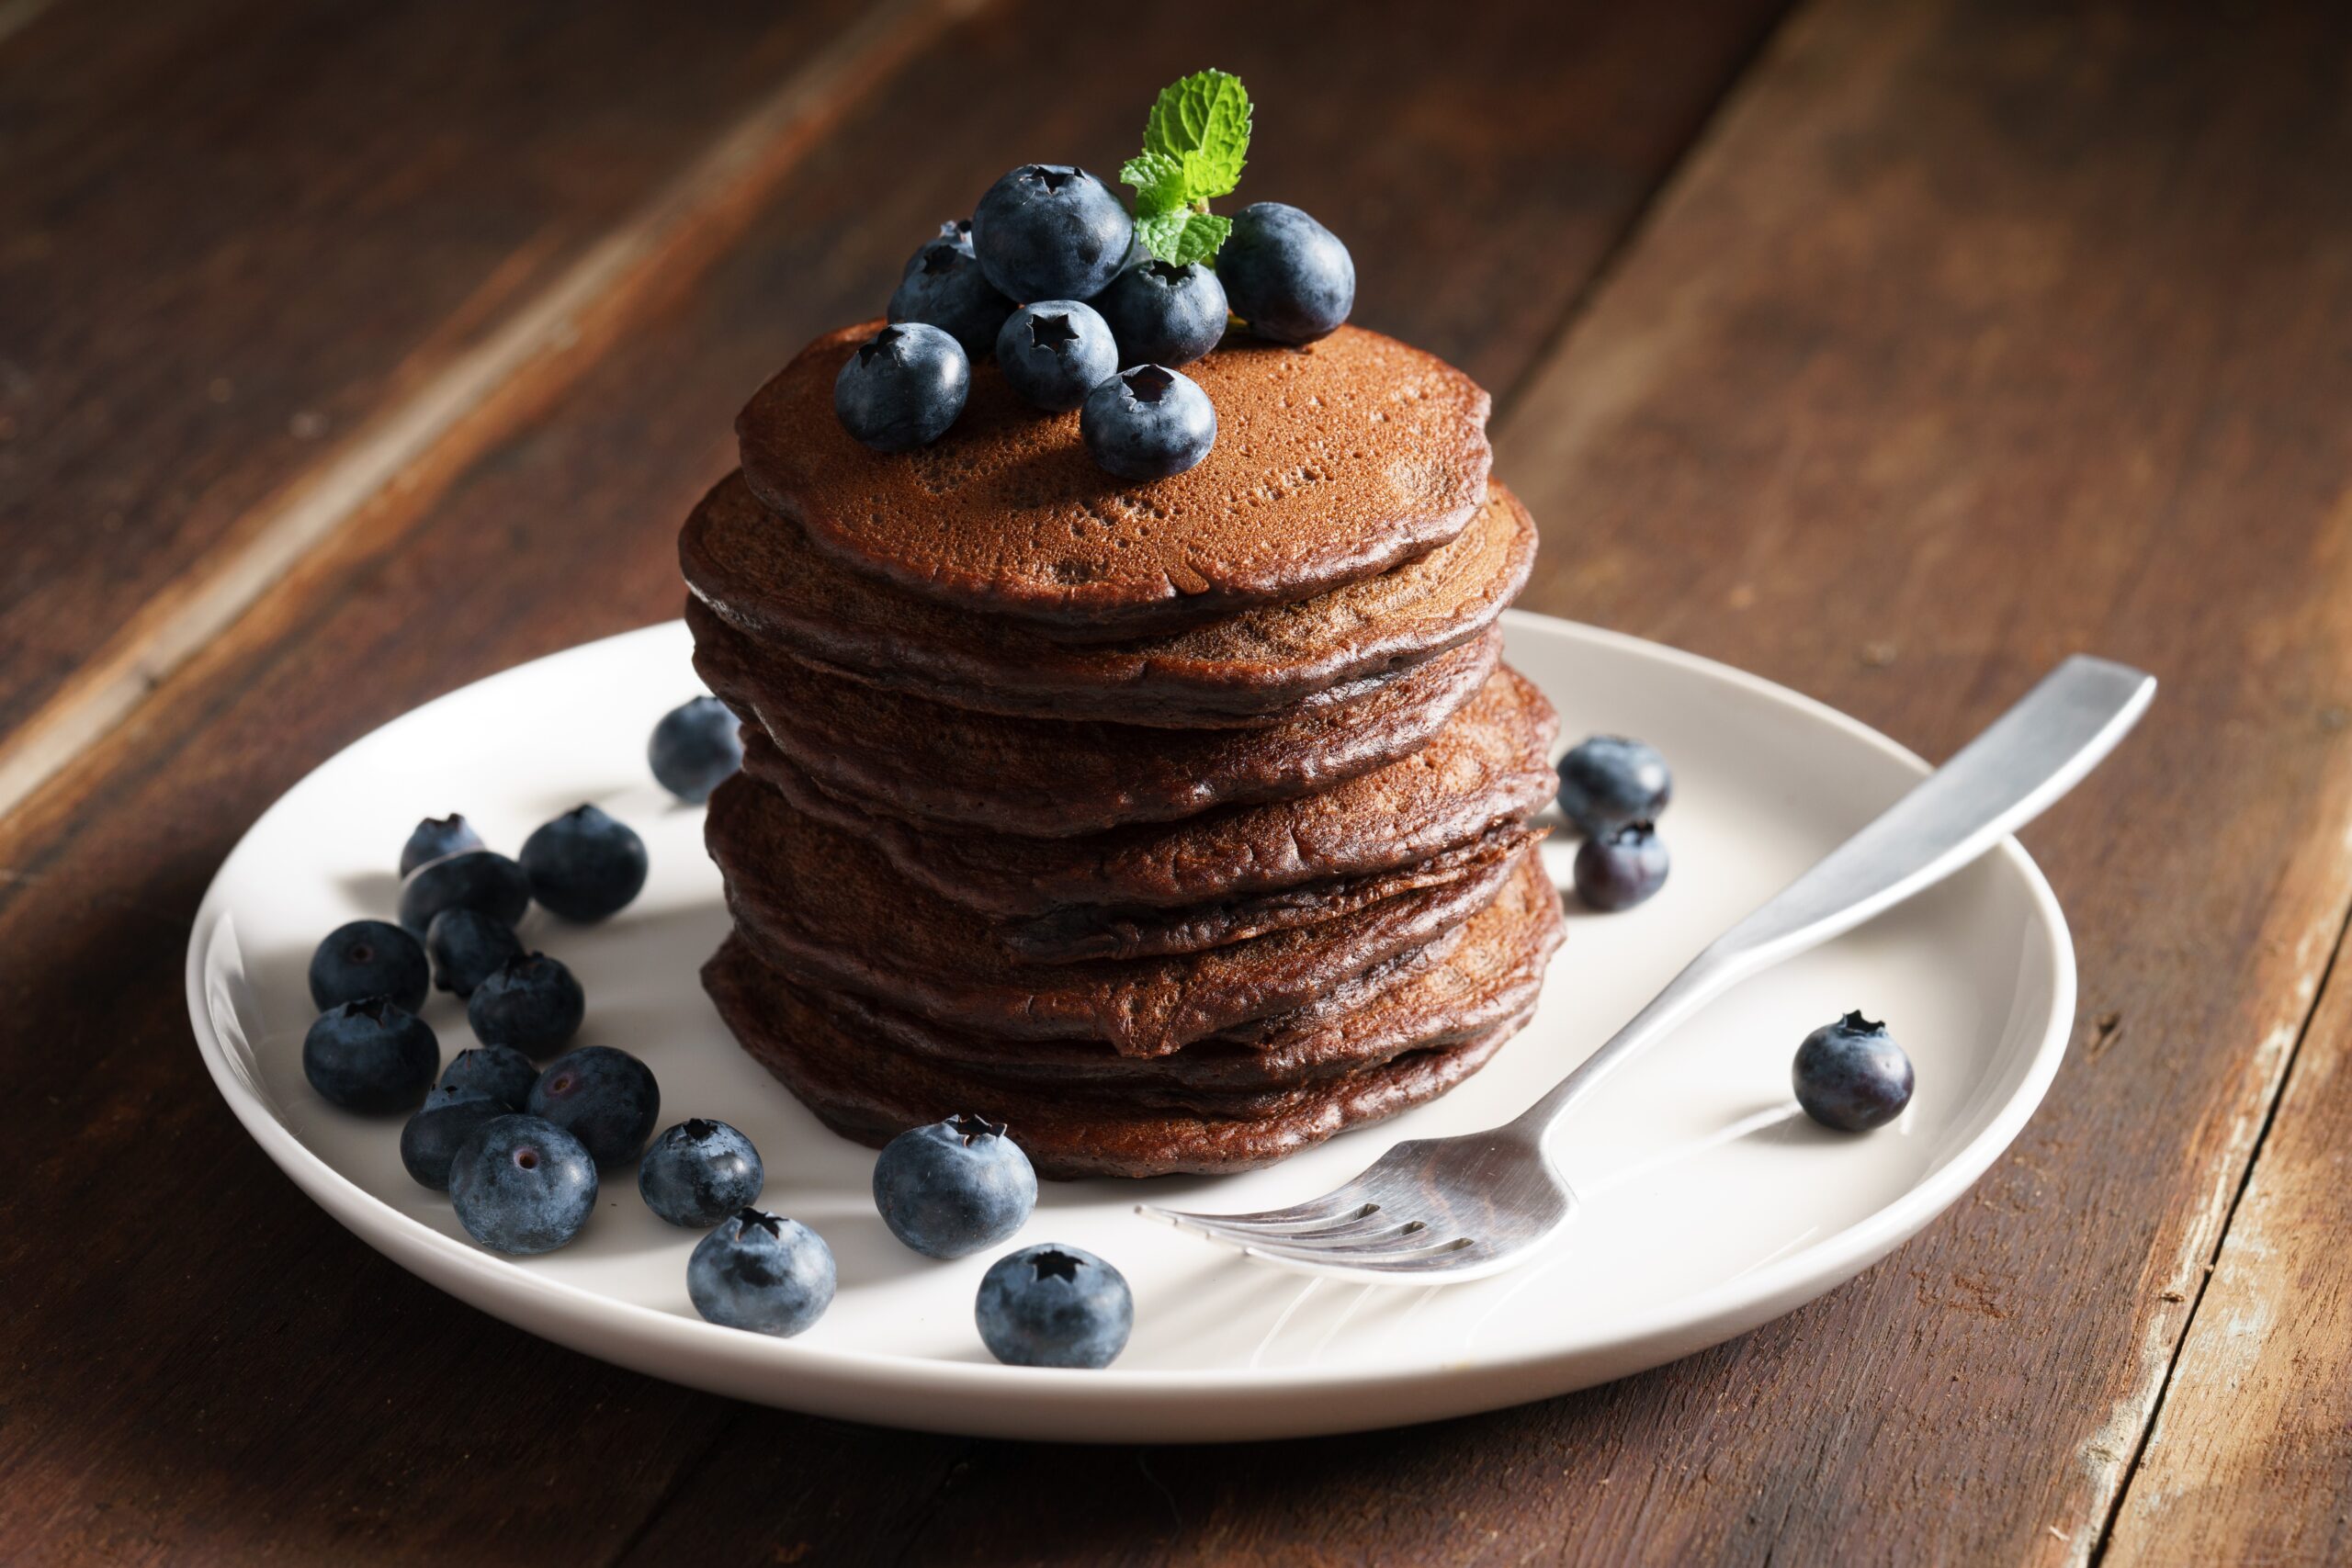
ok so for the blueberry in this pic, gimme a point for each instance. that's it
(699, 1172)
(1851, 1076)
(952, 1187)
(436, 837)
(761, 1272)
(372, 1055)
(531, 1003)
(522, 1185)
(470, 879)
(468, 947)
(1056, 352)
(433, 1137)
(1163, 314)
(1607, 781)
(1054, 1306)
(943, 287)
(605, 1098)
(499, 1071)
(584, 866)
(1621, 868)
(368, 958)
(695, 747)
(902, 387)
(1148, 422)
(1050, 231)
(1286, 274)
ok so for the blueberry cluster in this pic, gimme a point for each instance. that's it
(519, 1147)
(1612, 792)
(515, 1148)
(1050, 278)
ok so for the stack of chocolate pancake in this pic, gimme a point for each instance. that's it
(1177, 824)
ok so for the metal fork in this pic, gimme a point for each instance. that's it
(1435, 1211)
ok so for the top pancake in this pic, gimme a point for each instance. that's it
(759, 571)
(1332, 463)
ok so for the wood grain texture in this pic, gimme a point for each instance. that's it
(244, 1369)
(1980, 335)
(257, 254)
(2252, 1451)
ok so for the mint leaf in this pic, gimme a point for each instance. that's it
(1202, 120)
(1185, 236)
(1195, 142)
(1159, 180)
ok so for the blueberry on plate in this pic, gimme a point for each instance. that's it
(436, 837)
(531, 1003)
(1621, 868)
(761, 1272)
(468, 947)
(584, 866)
(1056, 352)
(1148, 422)
(522, 1185)
(1054, 1306)
(902, 387)
(1286, 274)
(1851, 1076)
(943, 287)
(1050, 231)
(470, 879)
(695, 747)
(698, 1172)
(605, 1098)
(499, 1071)
(1607, 781)
(372, 1056)
(1164, 314)
(440, 1127)
(368, 958)
(954, 1187)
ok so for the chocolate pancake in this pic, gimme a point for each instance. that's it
(1471, 979)
(827, 909)
(760, 572)
(828, 1066)
(1488, 768)
(1048, 778)
(1068, 936)
(1332, 463)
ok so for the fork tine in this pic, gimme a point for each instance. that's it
(1328, 1209)
(1423, 1242)
(1445, 1257)
(1349, 1220)
(1356, 1229)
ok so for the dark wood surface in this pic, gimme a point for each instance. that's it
(1889, 349)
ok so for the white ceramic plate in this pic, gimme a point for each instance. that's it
(1712, 1205)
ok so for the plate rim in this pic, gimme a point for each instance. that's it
(844, 1383)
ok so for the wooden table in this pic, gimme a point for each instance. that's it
(1889, 348)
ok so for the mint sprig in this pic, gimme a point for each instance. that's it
(1195, 143)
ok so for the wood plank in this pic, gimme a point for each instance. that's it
(2251, 1452)
(141, 1422)
(259, 256)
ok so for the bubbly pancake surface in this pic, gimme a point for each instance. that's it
(1332, 463)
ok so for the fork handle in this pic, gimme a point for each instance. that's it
(1996, 784)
